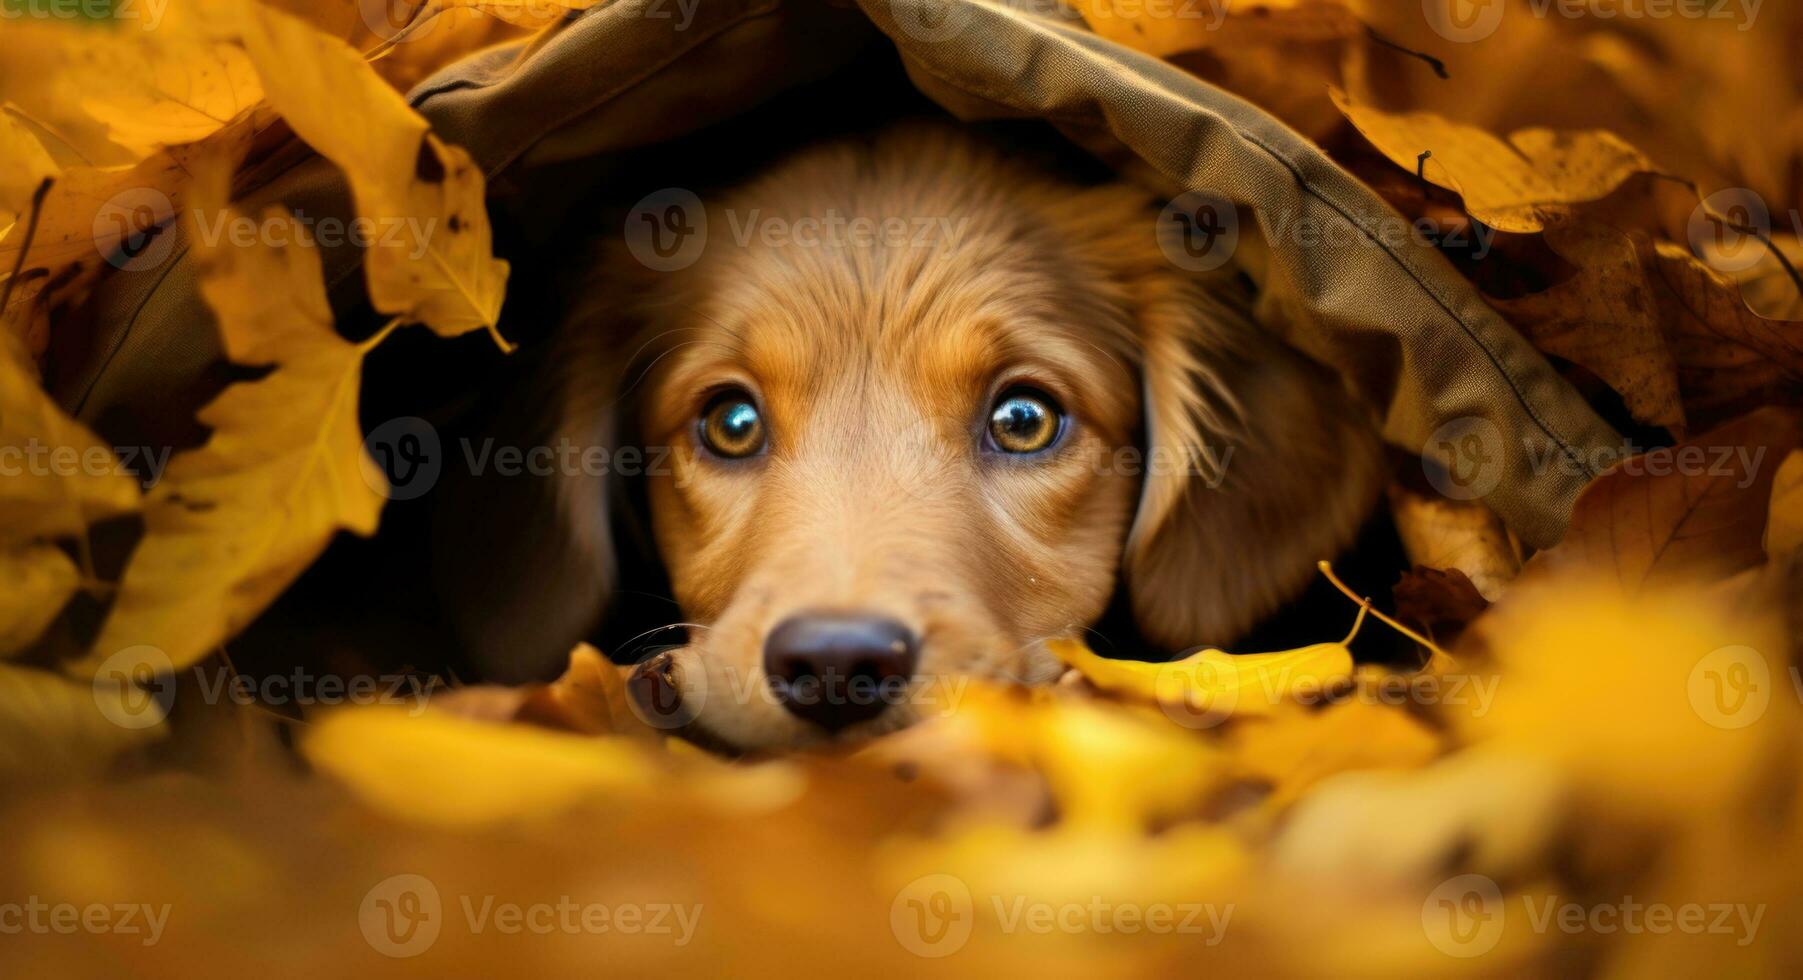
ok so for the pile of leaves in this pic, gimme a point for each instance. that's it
(1606, 726)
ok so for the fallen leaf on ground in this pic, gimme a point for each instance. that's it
(1214, 684)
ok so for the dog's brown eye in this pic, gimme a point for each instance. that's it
(1024, 421)
(731, 426)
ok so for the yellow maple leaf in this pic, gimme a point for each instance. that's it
(1214, 684)
(1657, 705)
(24, 163)
(93, 215)
(529, 13)
(433, 262)
(234, 521)
(53, 726)
(39, 579)
(1506, 185)
(1297, 748)
(56, 479)
(466, 773)
(1177, 26)
(151, 89)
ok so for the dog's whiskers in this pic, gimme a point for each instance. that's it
(627, 647)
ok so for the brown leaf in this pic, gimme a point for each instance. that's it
(1604, 320)
(1455, 534)
(1690, 512)
(1442, 599)
(1730, 360)
(589, 698)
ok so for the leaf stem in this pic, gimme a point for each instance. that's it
(31, 231)
(1365, 605)
(380, 335)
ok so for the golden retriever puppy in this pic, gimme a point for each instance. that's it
(913, 409)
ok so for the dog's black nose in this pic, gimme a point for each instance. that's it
(839, 669)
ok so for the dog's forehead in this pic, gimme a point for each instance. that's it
(938, 319)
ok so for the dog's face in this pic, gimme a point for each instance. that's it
(921, 408)
(892, 460)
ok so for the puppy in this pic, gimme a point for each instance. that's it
(915, 408)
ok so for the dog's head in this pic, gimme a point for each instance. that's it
(911, 413)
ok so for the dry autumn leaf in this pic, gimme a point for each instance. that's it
(93, 215)
(61, 481)
(1689, 512)
(1455, 534)
(440, 769)
(1605, 319)
(55, 727)
(1179, 28)
(1512, 185)
(234, 521)
(1293, 751)
(1442, 600)
(182, 89)
(1214, 685)
(1612, 746)
(589, 698)
(434, 263)
(24, 164)
(1730, 359)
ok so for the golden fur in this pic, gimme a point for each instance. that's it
(1208, 463)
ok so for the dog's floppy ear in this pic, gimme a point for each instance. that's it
(1258, 464)
(523, 552)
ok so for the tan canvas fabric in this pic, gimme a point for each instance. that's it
(1393, 316)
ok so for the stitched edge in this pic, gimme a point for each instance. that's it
(1056, 32)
